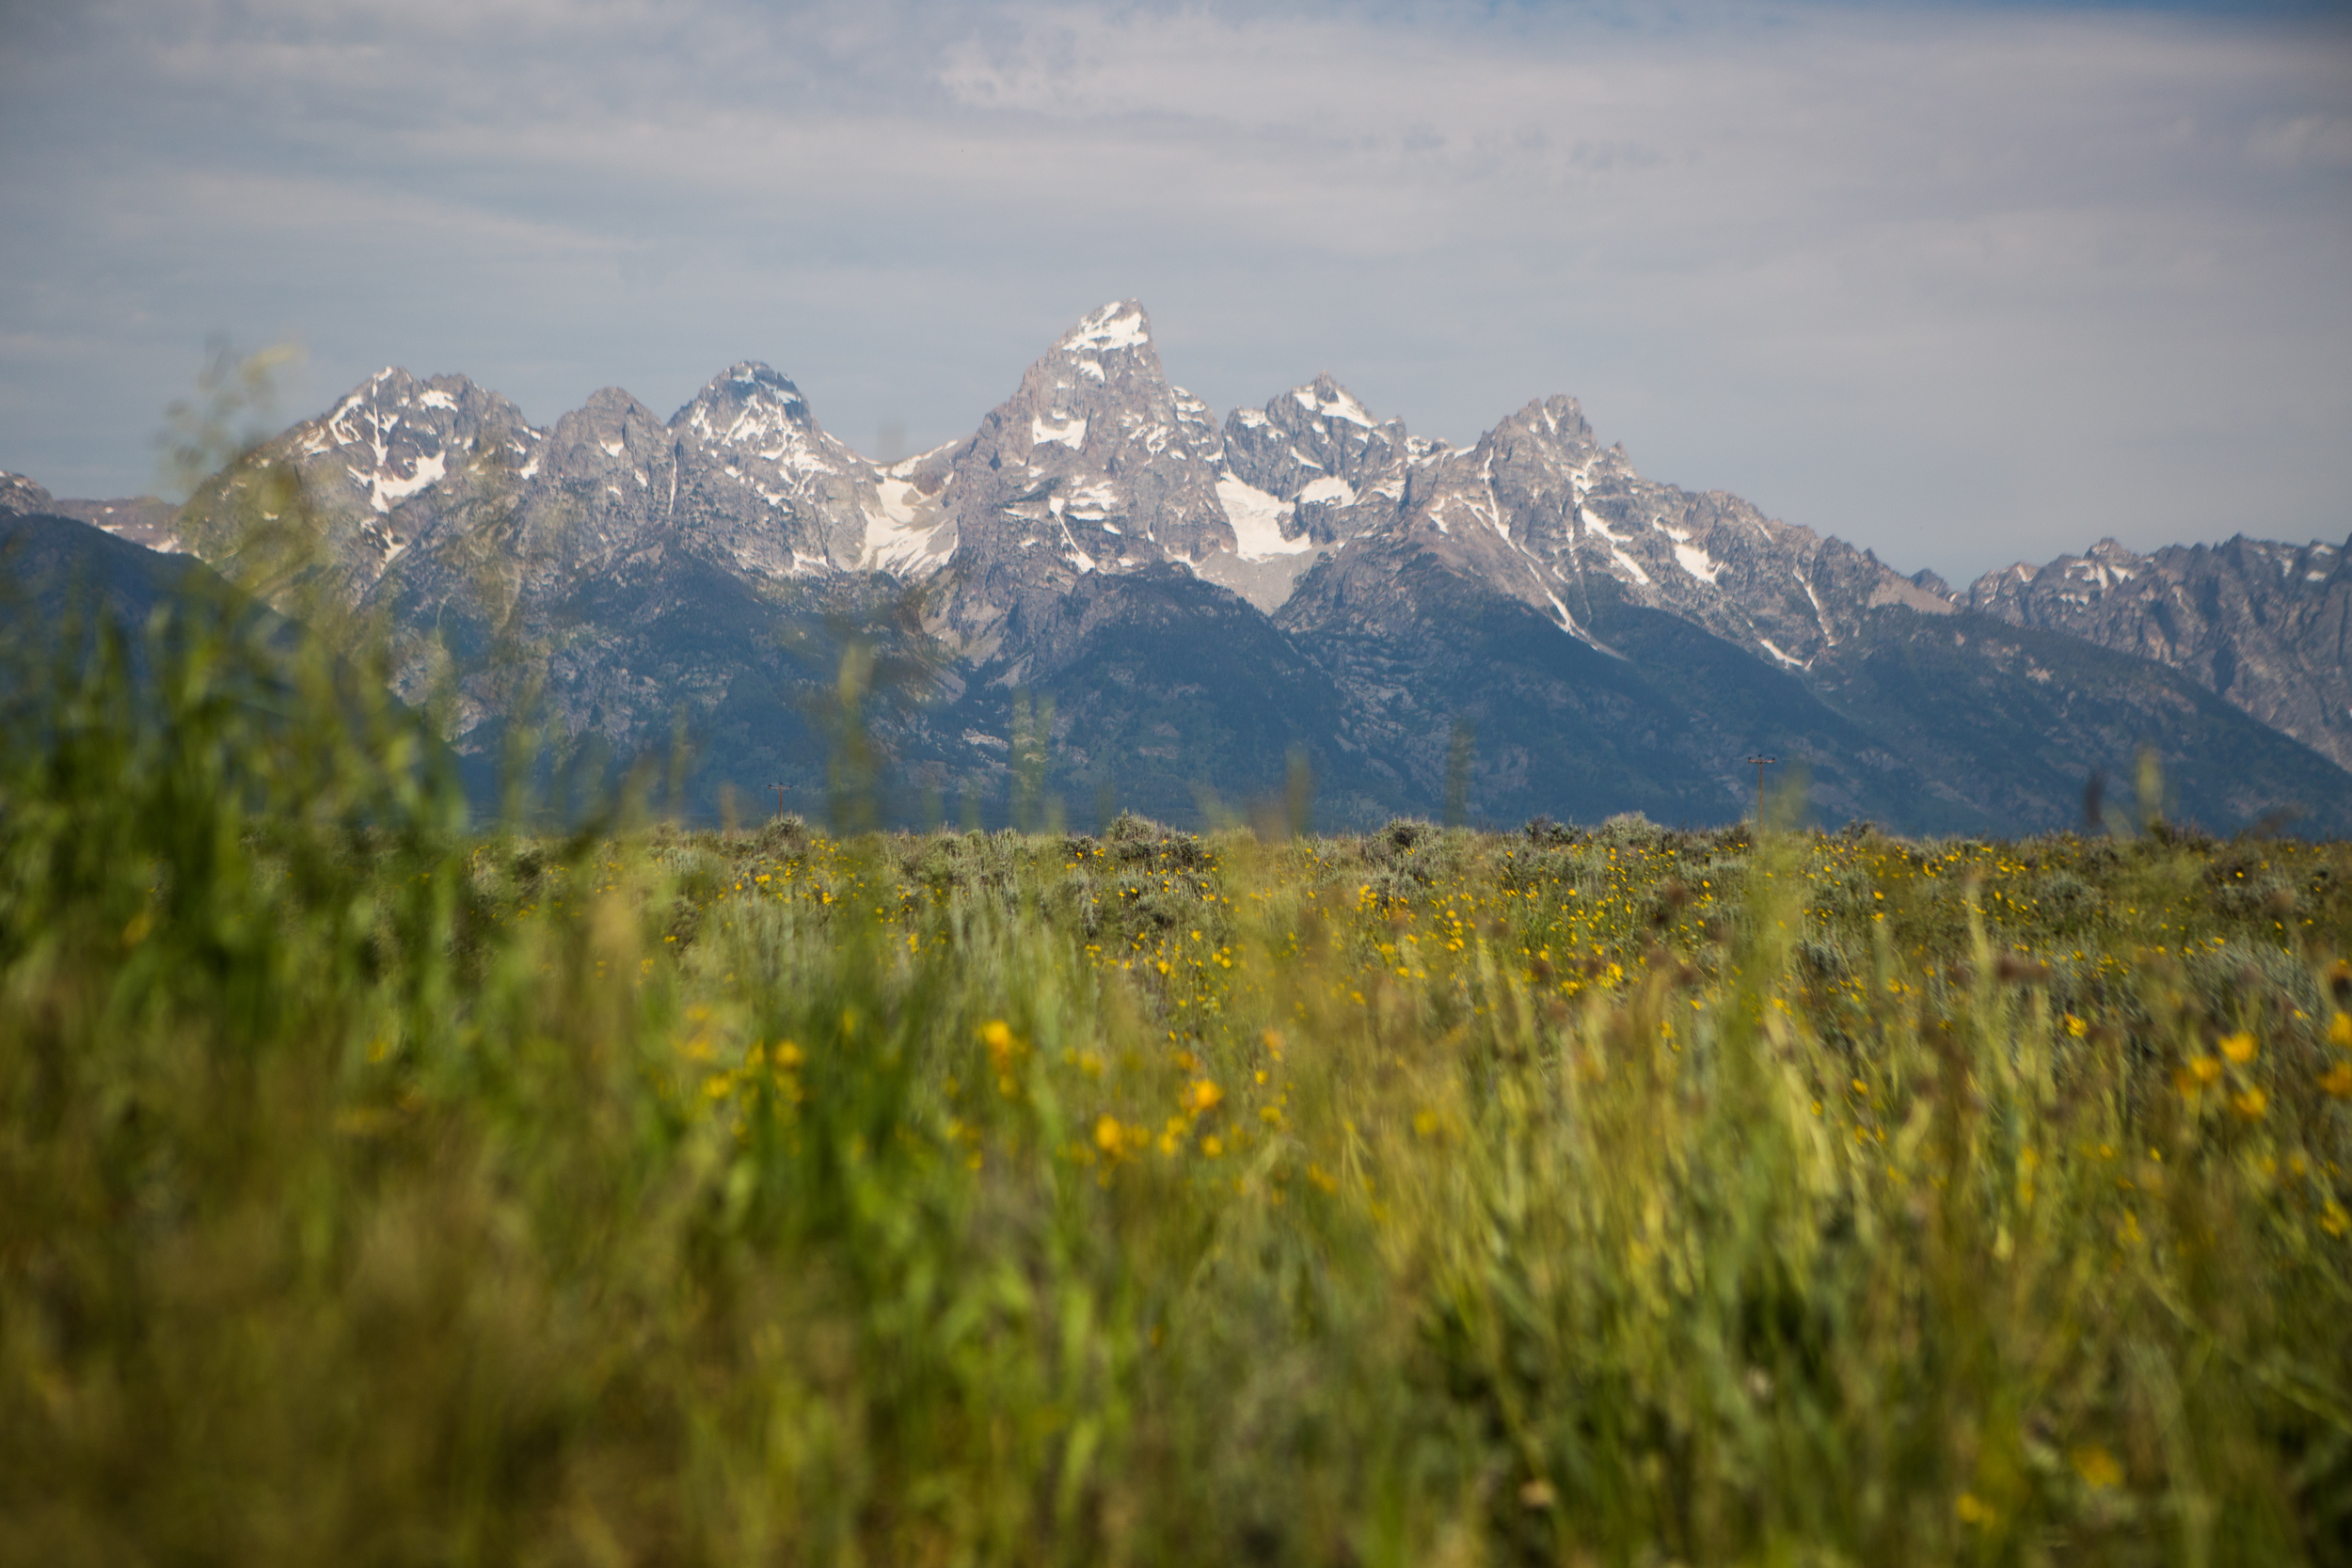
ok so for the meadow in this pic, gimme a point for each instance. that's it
(376, 1187)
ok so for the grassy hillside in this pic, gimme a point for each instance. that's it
(379, 1190)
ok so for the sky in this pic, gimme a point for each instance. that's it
(1963, 284)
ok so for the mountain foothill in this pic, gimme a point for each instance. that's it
(1148, 608)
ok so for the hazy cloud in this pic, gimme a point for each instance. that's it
(1960, 284)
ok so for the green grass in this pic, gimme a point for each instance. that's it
(374, 1189)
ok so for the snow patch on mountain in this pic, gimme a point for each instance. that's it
(1332, 403)
(1117, 325)
(1697, 562)
(387, 487)
(1067, 432)
(1258, 518)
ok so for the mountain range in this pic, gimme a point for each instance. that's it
(1107, 595)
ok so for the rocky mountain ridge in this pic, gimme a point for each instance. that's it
(1097, 463)
(2266, 626)
(148, 521)
(1200, 601)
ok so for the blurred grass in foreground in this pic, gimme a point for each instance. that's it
(377, 1190)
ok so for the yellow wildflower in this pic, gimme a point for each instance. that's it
(2239, 1047)
(2333, 1220)
(2250, 1104)
(2340, 1031)
(1201, 1095)
(2097, 1467)
(2337, 1080)
(1973, 1509)
(1108, 1135)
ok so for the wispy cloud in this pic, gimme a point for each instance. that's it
(1962, 284)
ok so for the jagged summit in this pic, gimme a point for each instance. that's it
(384, 462)
(1309, 470)
(1317, 444)
(2079, 579)
(749, 404)
(1097, 463)
(1326, 398)
(1121, 325)
(761, 477)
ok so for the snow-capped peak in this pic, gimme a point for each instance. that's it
(1326, 399)
(372, 428)
(1121, 323)
(754, 380)
(751, 407)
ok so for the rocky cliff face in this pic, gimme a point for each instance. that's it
(390, 464)
(1540, 511)
(1095, 464)
(2266, 627)
(1303, 475)
(763, 488)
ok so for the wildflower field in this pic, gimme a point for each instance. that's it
(379, 1188)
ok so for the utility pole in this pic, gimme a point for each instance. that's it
(779, 789)
(1760, 761)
